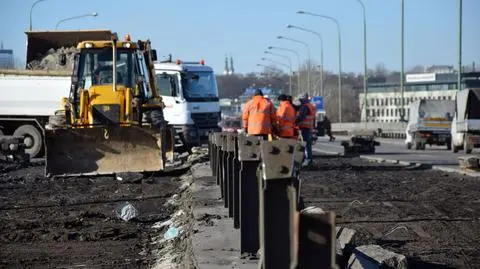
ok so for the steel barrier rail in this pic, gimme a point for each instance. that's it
(278, 203)
(260, 185)
(249, 157)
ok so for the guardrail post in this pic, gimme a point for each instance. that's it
(220, 163)
(236, 184)
(224, 180)
(212, 152)
(278, 203)
(299, 149)
(249, 157)
(316, 236)
(229, 175)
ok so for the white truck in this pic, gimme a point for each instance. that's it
(429, 122)
(466, 122)
(29, 97)
(189, 91)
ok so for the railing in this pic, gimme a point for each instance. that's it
(260, 184)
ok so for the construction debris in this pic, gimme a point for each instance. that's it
(374, 256)
(53, 58)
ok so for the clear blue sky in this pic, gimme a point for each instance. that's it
(192, 29)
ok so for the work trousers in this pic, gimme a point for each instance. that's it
(307, 137)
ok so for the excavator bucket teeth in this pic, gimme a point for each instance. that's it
(104, 150)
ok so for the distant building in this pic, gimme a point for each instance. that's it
(228, 70)
(6, 58)
(384, 98)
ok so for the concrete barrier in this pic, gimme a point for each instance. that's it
(393, 130)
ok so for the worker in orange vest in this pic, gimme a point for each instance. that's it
(259, 116)
(306, 122)
(285, 118)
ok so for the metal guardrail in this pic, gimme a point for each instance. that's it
(259, 182)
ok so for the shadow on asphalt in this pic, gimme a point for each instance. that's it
(367, 168)
(415, 263)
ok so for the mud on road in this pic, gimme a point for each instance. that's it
(71, 223)
(431, 217)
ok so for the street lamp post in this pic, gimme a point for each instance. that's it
(94, 14)
(309, 59)
(402, 71)
(289, 63)
(459, 75)
(282, 64)
(298, 60)
(365, 67)
(339, 57)
(321, 51)
(31, 9)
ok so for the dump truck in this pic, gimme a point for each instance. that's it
(28, 97)
(429, 122)
(189, 91)
(361, 141)
(465, 129)
(112, 120)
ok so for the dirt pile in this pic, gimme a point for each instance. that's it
(431, 217)
(51, 60)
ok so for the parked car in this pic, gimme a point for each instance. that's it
(232, 125)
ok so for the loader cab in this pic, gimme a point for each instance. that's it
(103, 86)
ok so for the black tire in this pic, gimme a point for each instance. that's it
(467, 150)
(409, 145)
(418, 145)
(33, 139)
(449, 145)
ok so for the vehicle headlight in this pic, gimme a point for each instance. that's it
(88, 45)
(126, 45)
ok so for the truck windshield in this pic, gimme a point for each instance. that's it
(199, 86)
(96, 67)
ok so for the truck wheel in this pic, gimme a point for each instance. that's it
(409, 145)
(466, 147)
(418, 145)
(454, 148)
(449, 145)
(33, 139)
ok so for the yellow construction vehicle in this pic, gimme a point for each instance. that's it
(112, 121)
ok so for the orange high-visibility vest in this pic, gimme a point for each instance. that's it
(309, 121)
(286, 119)
(259, 116)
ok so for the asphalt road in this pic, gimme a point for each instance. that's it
(395, 150)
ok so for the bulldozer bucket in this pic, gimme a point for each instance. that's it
(105, 150)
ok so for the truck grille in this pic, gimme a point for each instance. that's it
(206, 119)
(106, 114)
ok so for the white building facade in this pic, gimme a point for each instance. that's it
(384, 100)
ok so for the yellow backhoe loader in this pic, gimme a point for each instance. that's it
(112, 121)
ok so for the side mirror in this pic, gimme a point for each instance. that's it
(74, 80)
(62, 59)
(154, 55)
(141, 45)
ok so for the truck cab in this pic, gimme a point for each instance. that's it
(466, 122)
(189, 91)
